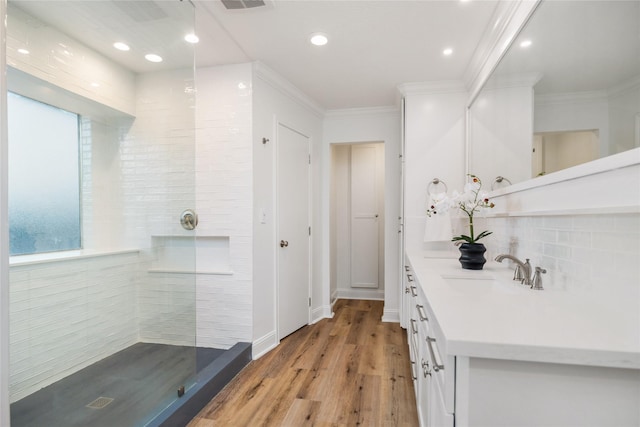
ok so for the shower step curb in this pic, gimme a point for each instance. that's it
(210, 381)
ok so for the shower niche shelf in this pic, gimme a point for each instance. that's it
(190, 255)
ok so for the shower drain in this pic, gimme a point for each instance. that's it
(100, 403)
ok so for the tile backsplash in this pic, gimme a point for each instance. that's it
(579, 252)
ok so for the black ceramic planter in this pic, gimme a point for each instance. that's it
(472, 256)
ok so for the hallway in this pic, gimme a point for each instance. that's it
(345, 371)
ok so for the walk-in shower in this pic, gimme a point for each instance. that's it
(101, 123)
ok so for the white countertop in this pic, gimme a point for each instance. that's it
(491, 316)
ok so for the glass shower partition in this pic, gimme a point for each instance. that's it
(101, 181)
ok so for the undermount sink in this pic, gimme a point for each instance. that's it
(482, 286)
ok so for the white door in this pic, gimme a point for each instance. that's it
(537, 156)
(292, 206)
(365, 214)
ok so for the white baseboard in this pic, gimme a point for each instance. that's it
(319, 313)
(391, 316)
(370, 294)
(263, 345)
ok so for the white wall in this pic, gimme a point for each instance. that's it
(612, 113)
(358, 125)
(574, 111)
(277, 101)
(500, 147)
(434, 148)
(624, 118)
(340, 159)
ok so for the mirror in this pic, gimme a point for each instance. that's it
(566, 92)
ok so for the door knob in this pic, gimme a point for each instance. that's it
(284, 243)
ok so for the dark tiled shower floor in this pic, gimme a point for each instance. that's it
(142, 379)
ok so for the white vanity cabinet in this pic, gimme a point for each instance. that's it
(431, 378)
(479, 360)
(410, 300)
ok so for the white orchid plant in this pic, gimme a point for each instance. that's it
(471, 201)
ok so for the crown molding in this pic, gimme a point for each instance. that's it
(384, 111)
(624, 87)
(279, 83)
(513, 80)
(442, 86)
(571, 98)
(508, 19)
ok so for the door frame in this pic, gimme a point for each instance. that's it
(366, 293)
(379, 219)
(276, 131)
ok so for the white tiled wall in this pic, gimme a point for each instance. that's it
(57, 58)
(67, 315)
(138, 177)
(580, 252)
(224, 180)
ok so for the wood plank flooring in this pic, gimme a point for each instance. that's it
(352, 370)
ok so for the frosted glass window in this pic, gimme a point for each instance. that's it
(44, 179)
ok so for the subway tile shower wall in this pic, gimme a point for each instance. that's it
(580, 252)
(224, 200)
(68, 314)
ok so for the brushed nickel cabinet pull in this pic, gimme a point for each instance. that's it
(436, 366)
(421, 313)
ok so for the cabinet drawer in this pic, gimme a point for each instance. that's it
(424, 385)
(439, 415)
(442, 371)
(413, 355)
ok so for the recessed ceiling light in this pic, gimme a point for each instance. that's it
(23, 51)
(152, 57)
(525, 43)
(121, 46)
(95, 84)
(447, 52)
(318, 39)
(191, 38)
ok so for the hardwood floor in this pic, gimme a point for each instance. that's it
(352, 370)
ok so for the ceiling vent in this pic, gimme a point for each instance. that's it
(242, 4)
(141, 11)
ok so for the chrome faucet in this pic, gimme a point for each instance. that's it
(523, 272)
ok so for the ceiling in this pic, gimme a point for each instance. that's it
(374, 45)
